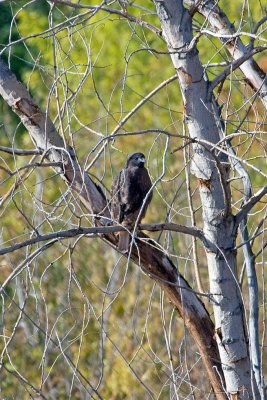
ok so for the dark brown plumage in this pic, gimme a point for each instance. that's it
(129, 192)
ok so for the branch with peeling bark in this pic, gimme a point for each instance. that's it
(155, 264)
(226, 32)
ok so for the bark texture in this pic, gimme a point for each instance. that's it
(46, 138)
(256, 78)
(153, 262)
(218, 222)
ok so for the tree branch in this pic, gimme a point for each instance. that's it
(46, 139)
(233, 66)
(250, 204)
(252, 278)
(128, 116)
(56, 28)
(101, 230)
(227, 34)
(20, 152)
(92, 392)
(120, 13)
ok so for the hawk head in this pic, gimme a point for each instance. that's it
(136, 160)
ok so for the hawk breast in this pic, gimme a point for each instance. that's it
(128, 193)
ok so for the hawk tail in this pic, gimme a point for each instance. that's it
(124, 239)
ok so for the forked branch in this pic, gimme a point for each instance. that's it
(250, 204)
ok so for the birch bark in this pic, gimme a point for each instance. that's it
(256, 78)
(218, 222)
(222, 26)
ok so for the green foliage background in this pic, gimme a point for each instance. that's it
(104, 67)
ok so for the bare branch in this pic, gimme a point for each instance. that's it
(25, 382)
(101, 230)
(233, 66)
(120, 13)
(63, 352)
(57, 28)
(19, 152)
(232, 42)
(188, 230)
(142, 102)
(250, 204)
(127, 117)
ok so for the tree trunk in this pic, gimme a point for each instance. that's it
(212, 170)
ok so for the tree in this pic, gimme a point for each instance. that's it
(220, 140)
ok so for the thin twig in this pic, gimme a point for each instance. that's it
(233, 66)
(120, 13)
(129, 115)
(20, 152)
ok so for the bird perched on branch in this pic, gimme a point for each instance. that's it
(131, 195)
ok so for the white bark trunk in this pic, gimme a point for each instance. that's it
(257, 80)
(219, 227)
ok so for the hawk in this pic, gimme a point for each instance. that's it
(131, 195)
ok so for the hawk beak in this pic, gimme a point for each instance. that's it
(141, 160)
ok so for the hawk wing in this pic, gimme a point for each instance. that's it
(118, 198)
(138, 184)
(128, 192)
